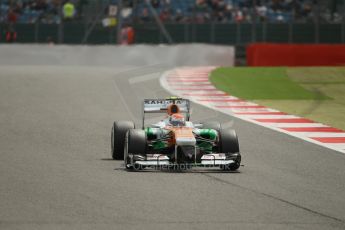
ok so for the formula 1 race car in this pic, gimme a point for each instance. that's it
(174, 142)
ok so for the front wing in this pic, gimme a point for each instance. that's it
(161, 160)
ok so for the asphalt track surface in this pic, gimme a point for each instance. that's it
(56, 171)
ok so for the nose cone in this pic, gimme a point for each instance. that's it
(184, 136)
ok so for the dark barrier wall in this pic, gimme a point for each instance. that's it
(295, 55)
(149, 33)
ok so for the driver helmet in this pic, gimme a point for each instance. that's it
(177, 119)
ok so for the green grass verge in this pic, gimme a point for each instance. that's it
(261, 83)
(317, 93)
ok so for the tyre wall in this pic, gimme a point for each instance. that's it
(268, 54)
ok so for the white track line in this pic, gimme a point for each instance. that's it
(289, 125)
(144, 78)
(320, 134)
(192, 83)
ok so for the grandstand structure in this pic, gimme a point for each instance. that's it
(233, 22)
(47, 11)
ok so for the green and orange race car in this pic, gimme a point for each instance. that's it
(174, 142)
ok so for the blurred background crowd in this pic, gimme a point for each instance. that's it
(175, 11)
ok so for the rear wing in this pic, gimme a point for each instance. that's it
(161, 106)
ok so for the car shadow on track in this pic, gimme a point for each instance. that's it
(176, 171)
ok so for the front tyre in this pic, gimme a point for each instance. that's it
(135, 145)
(118, 133)
(228, 144)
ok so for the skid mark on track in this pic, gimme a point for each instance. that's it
(123, 101)
(275, 198)
(126, 93)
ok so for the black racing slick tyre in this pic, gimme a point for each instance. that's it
(228, 143)
(135, 144)
(212, 125)
(118, 134)
(136, 141)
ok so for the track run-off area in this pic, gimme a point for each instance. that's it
(194, 83)
(57, 105)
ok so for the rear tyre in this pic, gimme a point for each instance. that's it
(135, 143)
(212, 125)
(118, 133)
(228, 144)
